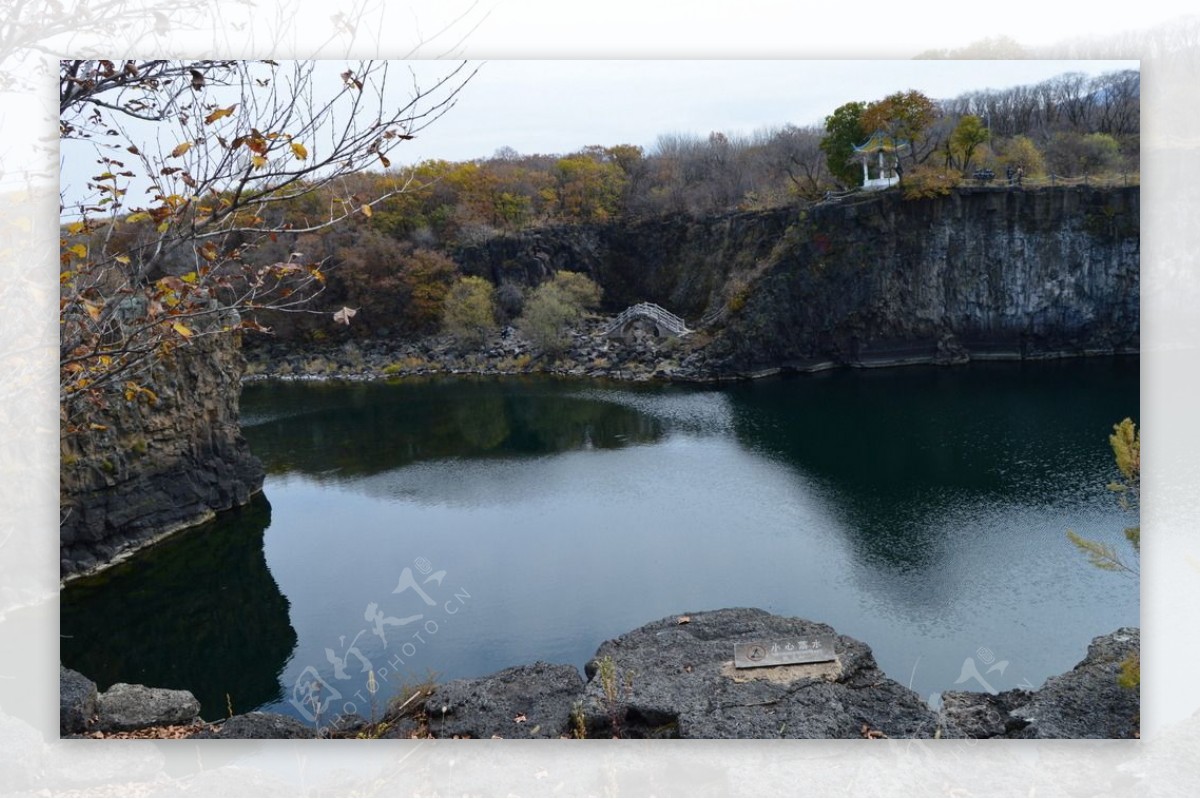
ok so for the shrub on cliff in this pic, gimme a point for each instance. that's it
(929, 180)
(469, 314)
(554, 308)
(1021, 152)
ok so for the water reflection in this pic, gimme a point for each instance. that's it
(904, 447)
(921, 510)
(199, 611)
(336, 432)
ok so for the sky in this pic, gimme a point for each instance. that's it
(560, 106)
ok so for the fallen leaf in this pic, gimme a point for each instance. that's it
(520, 718)
(870, 734)
(345, 315)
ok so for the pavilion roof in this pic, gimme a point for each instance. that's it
(881, 141)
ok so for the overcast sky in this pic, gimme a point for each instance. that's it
(560, 106)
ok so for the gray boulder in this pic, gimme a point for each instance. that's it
(76, 701)
(126, 707)
(672, 679)
(260, 725)
(522, 702)
(1086, 702)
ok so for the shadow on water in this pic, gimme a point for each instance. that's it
(337, 431)
(898, 444)
(198, 604)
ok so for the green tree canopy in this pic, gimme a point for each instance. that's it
(843, 131)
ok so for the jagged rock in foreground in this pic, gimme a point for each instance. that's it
(125, 707)
(522, 702)
(677, 679)
(1086, 702)
(260, 725)
(76, 701)
(674, 678)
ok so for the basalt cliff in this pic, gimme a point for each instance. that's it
(149, 468)
(868, 280)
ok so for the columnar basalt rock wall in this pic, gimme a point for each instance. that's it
(868, 280)
(986, 273)
(157, 466)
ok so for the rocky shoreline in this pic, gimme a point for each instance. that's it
(590, 355)
(672, 678)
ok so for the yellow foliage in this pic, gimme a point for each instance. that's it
(928, 181)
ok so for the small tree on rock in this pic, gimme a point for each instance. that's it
(554, 308)
(470, 313)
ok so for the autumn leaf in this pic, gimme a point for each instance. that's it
(383, 160)
(182, 329)
(140, 216)
(79, 251)
(256, 143)
(190, 278)
(299, 151)
(97, 426)
(219, 113)
(75, 228)
(258, 161)
(181, 149)
(122, 259)
(93, 310)
(366, 209)
(345, 315)
(133, 391)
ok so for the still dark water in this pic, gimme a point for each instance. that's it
(461, 526)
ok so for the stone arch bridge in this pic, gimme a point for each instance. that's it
(648, 317)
